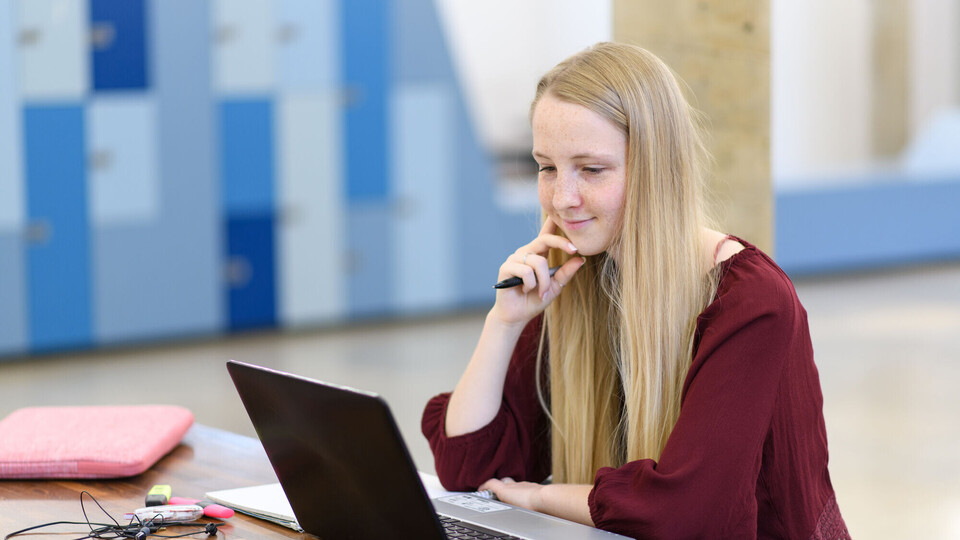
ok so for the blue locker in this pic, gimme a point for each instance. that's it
(309, 45)
(370, 260)
(366, 49)
(247, 156)
(58, 252)
(53, 42)
(250, 271)
(119, 44)
(244, 45)
(181, 255)
(13, 311)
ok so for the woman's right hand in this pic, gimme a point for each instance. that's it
(517, 305)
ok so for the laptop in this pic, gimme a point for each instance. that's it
(346, 472)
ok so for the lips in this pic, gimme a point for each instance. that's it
(574, 224)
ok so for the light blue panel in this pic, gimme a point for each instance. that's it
(11, 175)
(309, 44)
(244, 46)
(124, 186)
(369, 257)
(13, 310)
(421, 55)
(422, 157)
(420, 52)
(499, 232)
(58, 254)
(311, 232)
(54, 47)
(163, 278)
(878, 222)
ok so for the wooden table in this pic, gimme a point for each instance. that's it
(207, 459)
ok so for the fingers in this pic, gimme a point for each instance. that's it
(542, 243)
(548, 227)
(566, 272)
(494, 484)
(518, 269)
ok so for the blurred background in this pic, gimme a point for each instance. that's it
(329, 187)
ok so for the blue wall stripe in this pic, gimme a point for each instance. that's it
(59, 265)
(123, 62)
(366, 39)
(247, 156)
(879, 222)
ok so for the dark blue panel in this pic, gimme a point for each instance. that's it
(251, 282)
(246, 156)
(58, 262)
(119, 50)
(366, 39)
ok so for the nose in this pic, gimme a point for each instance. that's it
(566, 192)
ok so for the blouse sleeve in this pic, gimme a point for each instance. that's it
(704, 485)
(515, 443)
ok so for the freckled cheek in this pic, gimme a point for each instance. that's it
(546, 197)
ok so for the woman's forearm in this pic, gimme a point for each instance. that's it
(477, 397)
(567, 501)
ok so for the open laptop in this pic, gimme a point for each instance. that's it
(346, 472)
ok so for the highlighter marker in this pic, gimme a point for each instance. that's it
(158, 495)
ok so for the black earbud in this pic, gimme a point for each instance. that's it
(211, 529)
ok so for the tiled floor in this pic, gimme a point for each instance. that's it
(887, 344)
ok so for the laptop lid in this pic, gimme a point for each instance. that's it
(338, 455)
(346, 472)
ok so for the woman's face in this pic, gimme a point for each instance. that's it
(582, 158)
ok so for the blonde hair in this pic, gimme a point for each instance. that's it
(621, 335)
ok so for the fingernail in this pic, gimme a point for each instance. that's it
(573, 247)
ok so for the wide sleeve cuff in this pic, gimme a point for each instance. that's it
(463, 462)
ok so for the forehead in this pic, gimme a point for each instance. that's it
(561, 128)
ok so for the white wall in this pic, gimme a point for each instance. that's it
(501, 48)
(820, 88)
(934, 60)
(821, 72)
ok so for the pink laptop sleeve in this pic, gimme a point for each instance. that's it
(88, 442)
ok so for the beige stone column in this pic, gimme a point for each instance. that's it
(721, 49)
(889, 107)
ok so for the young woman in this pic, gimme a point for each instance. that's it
(664, 374)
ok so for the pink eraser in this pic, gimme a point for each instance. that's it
(209, 509)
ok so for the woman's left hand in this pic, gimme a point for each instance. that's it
(522, 494)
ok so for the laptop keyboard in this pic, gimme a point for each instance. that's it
(461, 530)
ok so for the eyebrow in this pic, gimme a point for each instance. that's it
(609, 157)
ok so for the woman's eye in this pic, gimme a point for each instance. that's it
(546, 168)
(593, 170)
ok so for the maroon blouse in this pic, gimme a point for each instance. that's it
(747, 457)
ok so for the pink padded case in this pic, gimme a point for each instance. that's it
(88, 442)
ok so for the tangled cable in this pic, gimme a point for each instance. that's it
(135, 530)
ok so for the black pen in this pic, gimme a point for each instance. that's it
(514, 281)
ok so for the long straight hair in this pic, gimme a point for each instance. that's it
(621, 334)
